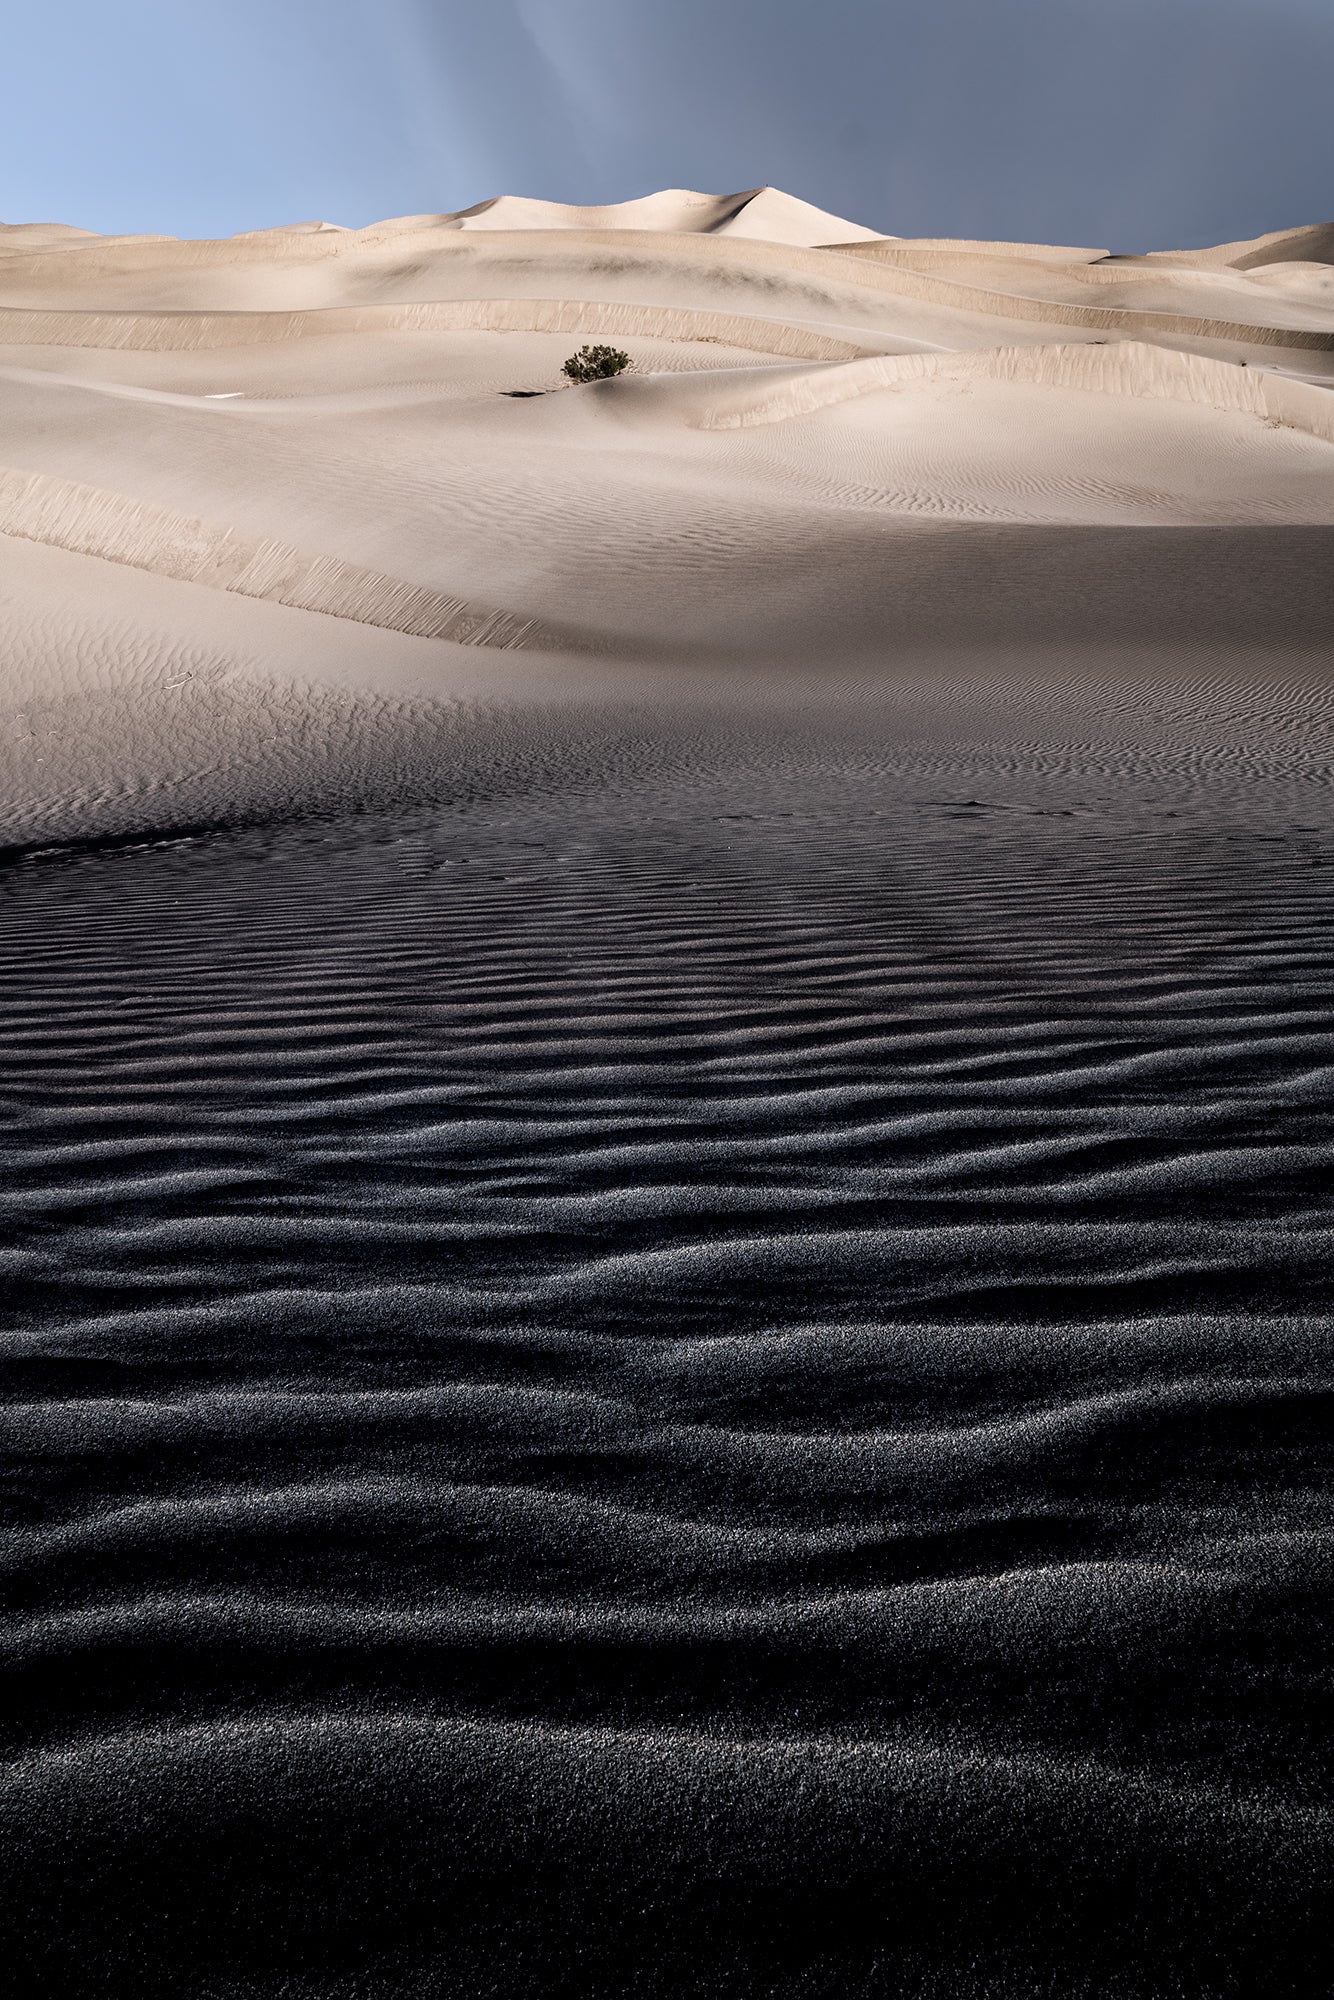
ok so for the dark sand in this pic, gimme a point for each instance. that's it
(683, 1369)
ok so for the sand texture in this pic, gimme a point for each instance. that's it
(668, 1065)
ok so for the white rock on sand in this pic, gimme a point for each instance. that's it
(238, 475)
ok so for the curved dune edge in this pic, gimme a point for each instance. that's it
(1312, 240)
(995, 267)
(186, 331)
(905, 278)
(929, 253)
(885, 269)
(673, 1753)
(1131, 368)
(86, 520)
(914, 251)
(888, 268)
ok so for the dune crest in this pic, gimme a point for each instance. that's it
(762, 212)
(66, 515)
(1131, 368)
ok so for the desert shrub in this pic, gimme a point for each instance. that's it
(594, 364)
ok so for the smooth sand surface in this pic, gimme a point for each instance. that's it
(324, 419)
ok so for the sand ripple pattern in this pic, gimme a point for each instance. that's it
(715, 1382)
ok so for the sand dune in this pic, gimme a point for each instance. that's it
(1128, 369)
(88, 522)
(932, 294)
(802, 423)
(667, 1061)
(1315, 243)
(179, 331)
(763, 212)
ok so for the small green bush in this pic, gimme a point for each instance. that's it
(595, 364)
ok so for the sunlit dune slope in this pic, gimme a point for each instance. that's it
(833, 447)
(761, 212)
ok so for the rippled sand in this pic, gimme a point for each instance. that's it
(700, 1366)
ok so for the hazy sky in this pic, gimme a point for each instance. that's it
(1133, 124)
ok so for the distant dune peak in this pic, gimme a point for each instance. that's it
(763, 212)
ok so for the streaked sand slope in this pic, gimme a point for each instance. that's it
(862, 456)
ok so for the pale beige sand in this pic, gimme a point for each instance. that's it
(234, 474)
(763, 212)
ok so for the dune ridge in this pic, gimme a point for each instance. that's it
(185, 331)
(116, 528)
(766, 213)
(1313, 242)
(419, 263)
(1129, 369)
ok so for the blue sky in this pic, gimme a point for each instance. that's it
(1137, 124)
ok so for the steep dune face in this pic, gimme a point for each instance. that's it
(854, 452)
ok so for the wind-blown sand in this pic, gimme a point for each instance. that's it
(668, 1055)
